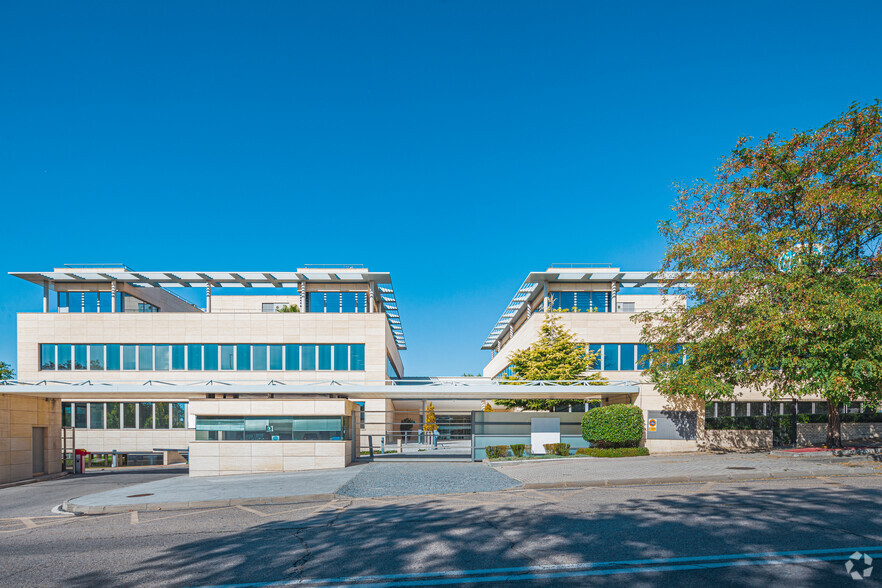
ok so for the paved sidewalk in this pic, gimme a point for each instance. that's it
(660, 469)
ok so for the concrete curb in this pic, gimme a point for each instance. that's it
(86, 509)
(734, 477)
(45, 478)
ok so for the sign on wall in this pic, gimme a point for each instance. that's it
(675, 425)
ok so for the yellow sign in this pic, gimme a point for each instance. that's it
(652, 424)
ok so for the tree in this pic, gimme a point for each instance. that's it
(783, 252)
(429, 424)
(556, 355)
(288, 308)
(6, 371)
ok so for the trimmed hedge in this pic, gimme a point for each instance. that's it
(496, 451)
(517, 449)
(557, 448)
(729, 423)
(853, 417)
(615, 425)
(615, 452)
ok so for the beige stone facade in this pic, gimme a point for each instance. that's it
(29, 423)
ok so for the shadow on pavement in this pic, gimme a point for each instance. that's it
(436, 536)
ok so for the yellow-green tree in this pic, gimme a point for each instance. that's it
(430, 424)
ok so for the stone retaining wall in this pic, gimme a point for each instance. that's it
(816, 433)
(734, 440)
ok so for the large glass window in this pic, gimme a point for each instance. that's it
(258, 358)
(47, 357)
(316, 302)
(145, 415)
(210, 357)
(75, 302)
(600, 301)
(292, 358)
(276, 357)
(283, 428)
(90, 301)
(104, 301)
(341, 357)
(80, 357)
(627, 351)
(130, 357)
(80, 415)
(113, 357)
(178, 355)
(243, 357)
(162, 415)
(597, 350)
(65, 414)
(194, 357)
(349, 302)
(96, 415)
(96, 357)
(324, 357)
(112, 410)
(642, 356)
(162, 359)
(610, 357)
(307, 358)
(227, 354)
(64, 357)
(356, 358)
(145, 358)
(130, 410)
(179, 415)
(332, 302)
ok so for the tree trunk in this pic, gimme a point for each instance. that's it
(834, 425)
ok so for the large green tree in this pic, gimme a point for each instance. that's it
(6, 371)
(556, 356)
(783, 252)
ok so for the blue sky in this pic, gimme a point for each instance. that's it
(458, 145)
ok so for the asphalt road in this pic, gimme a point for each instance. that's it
(786, 533)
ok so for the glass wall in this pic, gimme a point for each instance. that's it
(135, 415)
(580, 301)
(281, 428)
(351, 302)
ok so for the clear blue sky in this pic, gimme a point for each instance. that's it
(458, 145)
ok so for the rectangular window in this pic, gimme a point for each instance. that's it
(96, 415)
(610, 357)
(80, 415)
(104, 299)
(96, 357)
(80, 359)
(179, 415)
(626, 352)
(243, 357)
(194, 357)
(65, 414)
(258, 358)
(162, 363)
(130, 357)
(349, 301)
(178, 355)
(227, 354)
(64, 357)
(356, 358)
(209, 357)
(90, 301)
(113, 358)
(741, 409)
(324, 357)
(626, 306)
(316, 302)
(276, 356)
(112, 410)
(600, 301)
(292, 358)
(75, 302)
(597, 350)
(129, 415)
(47, 357)
(332, 302)
(161, 415)
(145, 415)
(62, 302)
(757, 408)
(341, 358)
(145, 358)
(307, 358)
(642, 356)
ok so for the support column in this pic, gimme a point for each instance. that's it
(544, 296)
(113, 289)
(301, 292)
(371, 297)
(613, 295)
(45, 295)
(208, 298)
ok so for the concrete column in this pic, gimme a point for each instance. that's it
(208, 298)
(45, 295)
(113, 288)
(371, 297)
(301, 291)
(544, 296)
(613, 295)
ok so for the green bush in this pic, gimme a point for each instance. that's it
(730, 423)
(496, 451)
(614, 452)
(557, 448)
(517, 449)
(615, 425)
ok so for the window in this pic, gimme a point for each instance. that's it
(316, 302)
(610, 357)
(307, 358)
(209, 357)
(161, 415)
(96, 357)
(145, 358)
(65, 414)
(642, 359)
(243, 357)
(757, 408)
(341, 357)
(292, 358)
(145, 415)
(130, 420)
(356, 358)
(626, 353)
(740, 409)
(112, 411)
(178, 354)
(90, 301)
(626, 306)
(75, 302)
(104, 301)
(113, 357)
(282, 428)
(332, 302)
(258, 358)
(80, 415)
(276, 356)
(130, 358)
(227, 353)
(597, 350)
(324, 357)
(360, 414)
(96, 415)
(194, 357)
(179, 415)
(80, 360)
(162, 363)
(64, 357)
(47, 357)
(352, 301)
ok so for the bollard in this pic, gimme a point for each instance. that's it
(382, 445)
(113, 463)
(435, 441)
(399, 446)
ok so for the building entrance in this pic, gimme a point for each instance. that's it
(412, 432)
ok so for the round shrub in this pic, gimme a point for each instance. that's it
(616, 425)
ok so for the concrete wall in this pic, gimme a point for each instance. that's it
(816, 433)
(18, 416)
(737, 440)
(99, 440)
(218, 458)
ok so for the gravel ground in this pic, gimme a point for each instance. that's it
(409, 479)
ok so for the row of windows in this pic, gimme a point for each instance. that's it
(580, 301)
(612, 357)
(100, 302)
(282, 428)
(337, 302)
(198, 357)
(124, 415)
(743, 409)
